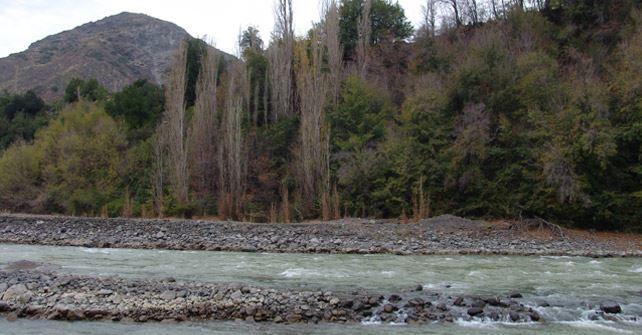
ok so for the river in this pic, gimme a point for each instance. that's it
(572, 286)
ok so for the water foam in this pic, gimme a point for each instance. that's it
(601, 325)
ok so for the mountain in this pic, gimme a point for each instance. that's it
(116, 51)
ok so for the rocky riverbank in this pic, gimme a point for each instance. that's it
(47, 295)
(441, 235)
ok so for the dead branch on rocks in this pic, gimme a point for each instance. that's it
(539, 224)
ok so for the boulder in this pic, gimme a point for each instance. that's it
(610, 307)
(4, 307)
(475, 311)
(17, 293)
(388, 308)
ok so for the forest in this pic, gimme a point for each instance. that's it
(494, 109)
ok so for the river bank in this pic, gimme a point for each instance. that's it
(444, 235)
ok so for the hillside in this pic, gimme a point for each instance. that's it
(116, 50)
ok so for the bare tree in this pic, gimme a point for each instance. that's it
(231, 153)
(473, 11)
(204, 129)
(334, 49)
(363, 43)
(455, 6)
(313, 155)
(159, 170)
(430, 17)
(176, 127)
(280, 55)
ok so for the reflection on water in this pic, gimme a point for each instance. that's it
(572, 286)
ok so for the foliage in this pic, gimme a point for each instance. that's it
(388, 23)
(139, 105)
(73, 166)
(196, 49)
(21, 116)
(533, 113)
(89, 90)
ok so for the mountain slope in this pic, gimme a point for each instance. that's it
(116, 50)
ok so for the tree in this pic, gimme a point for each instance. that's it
(455, 6)
(175, 127)
(313, 151)
(251, 40)
(232, 153)
(204, 131)
(21, 115)
(332, 43)
(388, 23)
(89, 90)
(196, 50)
(73, 166)
(140, 105)
(280, 56)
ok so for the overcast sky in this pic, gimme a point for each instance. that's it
(23, 22)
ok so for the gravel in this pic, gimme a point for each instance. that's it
(441, 235)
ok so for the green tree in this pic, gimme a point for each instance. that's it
(389, 23)
(89, 90)
(21, 115)
(140, 105)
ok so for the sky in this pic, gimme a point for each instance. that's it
(23, 22)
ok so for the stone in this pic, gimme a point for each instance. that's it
(442, 307)
(478, 303)
(4, 307)
(610, 307)
(416, 302)
(236, 295)
(388, 308)
(17, 293)
(394, 298)
(12, 316)
(168, 295)
(419, 288)
(475, 311)
(534, 316)
(3, 287)
(515, 295)
(514, 316)
(459, 301)
(105, 292)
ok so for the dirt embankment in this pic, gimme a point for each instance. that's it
(440, 235)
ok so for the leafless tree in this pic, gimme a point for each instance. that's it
(313, 155)
(455, 6)
(332, 42)
(159, 170)
(231, 158)
(473, 11)
(204, 130)
(280, 55)
(176, 127)
(430, 17)
(363, 43)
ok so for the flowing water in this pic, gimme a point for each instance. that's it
(573, 286)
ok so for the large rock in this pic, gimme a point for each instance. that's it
(475, 311)
(610, 307)
(17, 293)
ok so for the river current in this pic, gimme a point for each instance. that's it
(572, 286)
